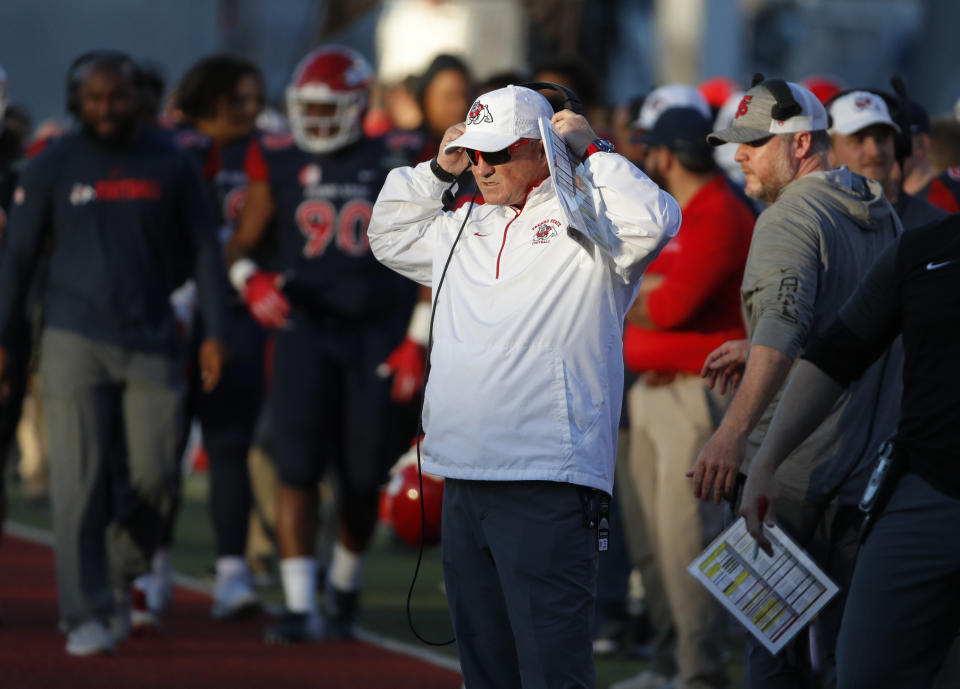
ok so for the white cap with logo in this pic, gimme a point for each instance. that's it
(857, 110)
(670, 96)
(502, 117)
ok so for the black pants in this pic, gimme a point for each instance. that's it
(520, 567)
(903, 609)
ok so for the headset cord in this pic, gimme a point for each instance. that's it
(426, 374)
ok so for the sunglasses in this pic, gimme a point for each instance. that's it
(495, 157)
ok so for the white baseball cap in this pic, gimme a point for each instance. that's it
(502, 117)
(857, 110)
(670, 96)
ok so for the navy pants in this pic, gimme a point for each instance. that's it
(903, 609)
(520, 568)
(330, 408)
(228, 416)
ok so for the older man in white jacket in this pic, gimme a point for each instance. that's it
(526, 379)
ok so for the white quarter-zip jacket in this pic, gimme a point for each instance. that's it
(526, 377)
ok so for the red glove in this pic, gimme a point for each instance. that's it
(269, 306)
(406, 363)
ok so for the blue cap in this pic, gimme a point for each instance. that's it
(919, 119)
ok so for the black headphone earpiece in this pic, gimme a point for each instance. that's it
(570, 102)
(75, 73)
(786, 106)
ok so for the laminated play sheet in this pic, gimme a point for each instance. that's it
(774, 597)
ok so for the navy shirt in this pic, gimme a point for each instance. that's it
(125, 226)
(323, 206)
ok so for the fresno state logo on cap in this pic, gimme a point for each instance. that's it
(743, 107)
(479, 113)
(863, 102)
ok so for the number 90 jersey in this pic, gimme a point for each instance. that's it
(323, 204)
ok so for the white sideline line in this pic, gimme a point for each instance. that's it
(44, 537)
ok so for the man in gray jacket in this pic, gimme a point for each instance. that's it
(810, 249)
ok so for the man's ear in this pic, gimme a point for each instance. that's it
(667, 160)
(802, 142)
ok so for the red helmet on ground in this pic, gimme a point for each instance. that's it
(824, 88)
(403, 505)
(327, 98)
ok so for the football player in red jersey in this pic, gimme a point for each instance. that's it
(337, 316)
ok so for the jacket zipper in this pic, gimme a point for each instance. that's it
(505, 240)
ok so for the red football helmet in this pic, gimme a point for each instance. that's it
(403, 505)
(328, 97)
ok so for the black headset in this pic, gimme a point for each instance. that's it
(77, 70)
(785, 105)
(570, 100)
(898, 104)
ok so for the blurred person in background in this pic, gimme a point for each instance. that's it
(152, 89)
(443, 92)
(944, 144)
(655, 102)
(625, 135)
(919, 177)
(717, 91)
(866, 138)
(823, 87)
(112, 367)
(220, 98)
(578, 77)
(301, 261)
(688, 304)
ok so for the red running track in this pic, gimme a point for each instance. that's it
(193, 651)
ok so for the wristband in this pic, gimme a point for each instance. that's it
(240, 272)
(440, 173)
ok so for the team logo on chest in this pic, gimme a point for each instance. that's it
(545, 231)
(310, 175)
(82, 194)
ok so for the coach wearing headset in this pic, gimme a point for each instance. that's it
(125, 218)
(524, 396)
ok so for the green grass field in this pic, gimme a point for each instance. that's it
(387, 579)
